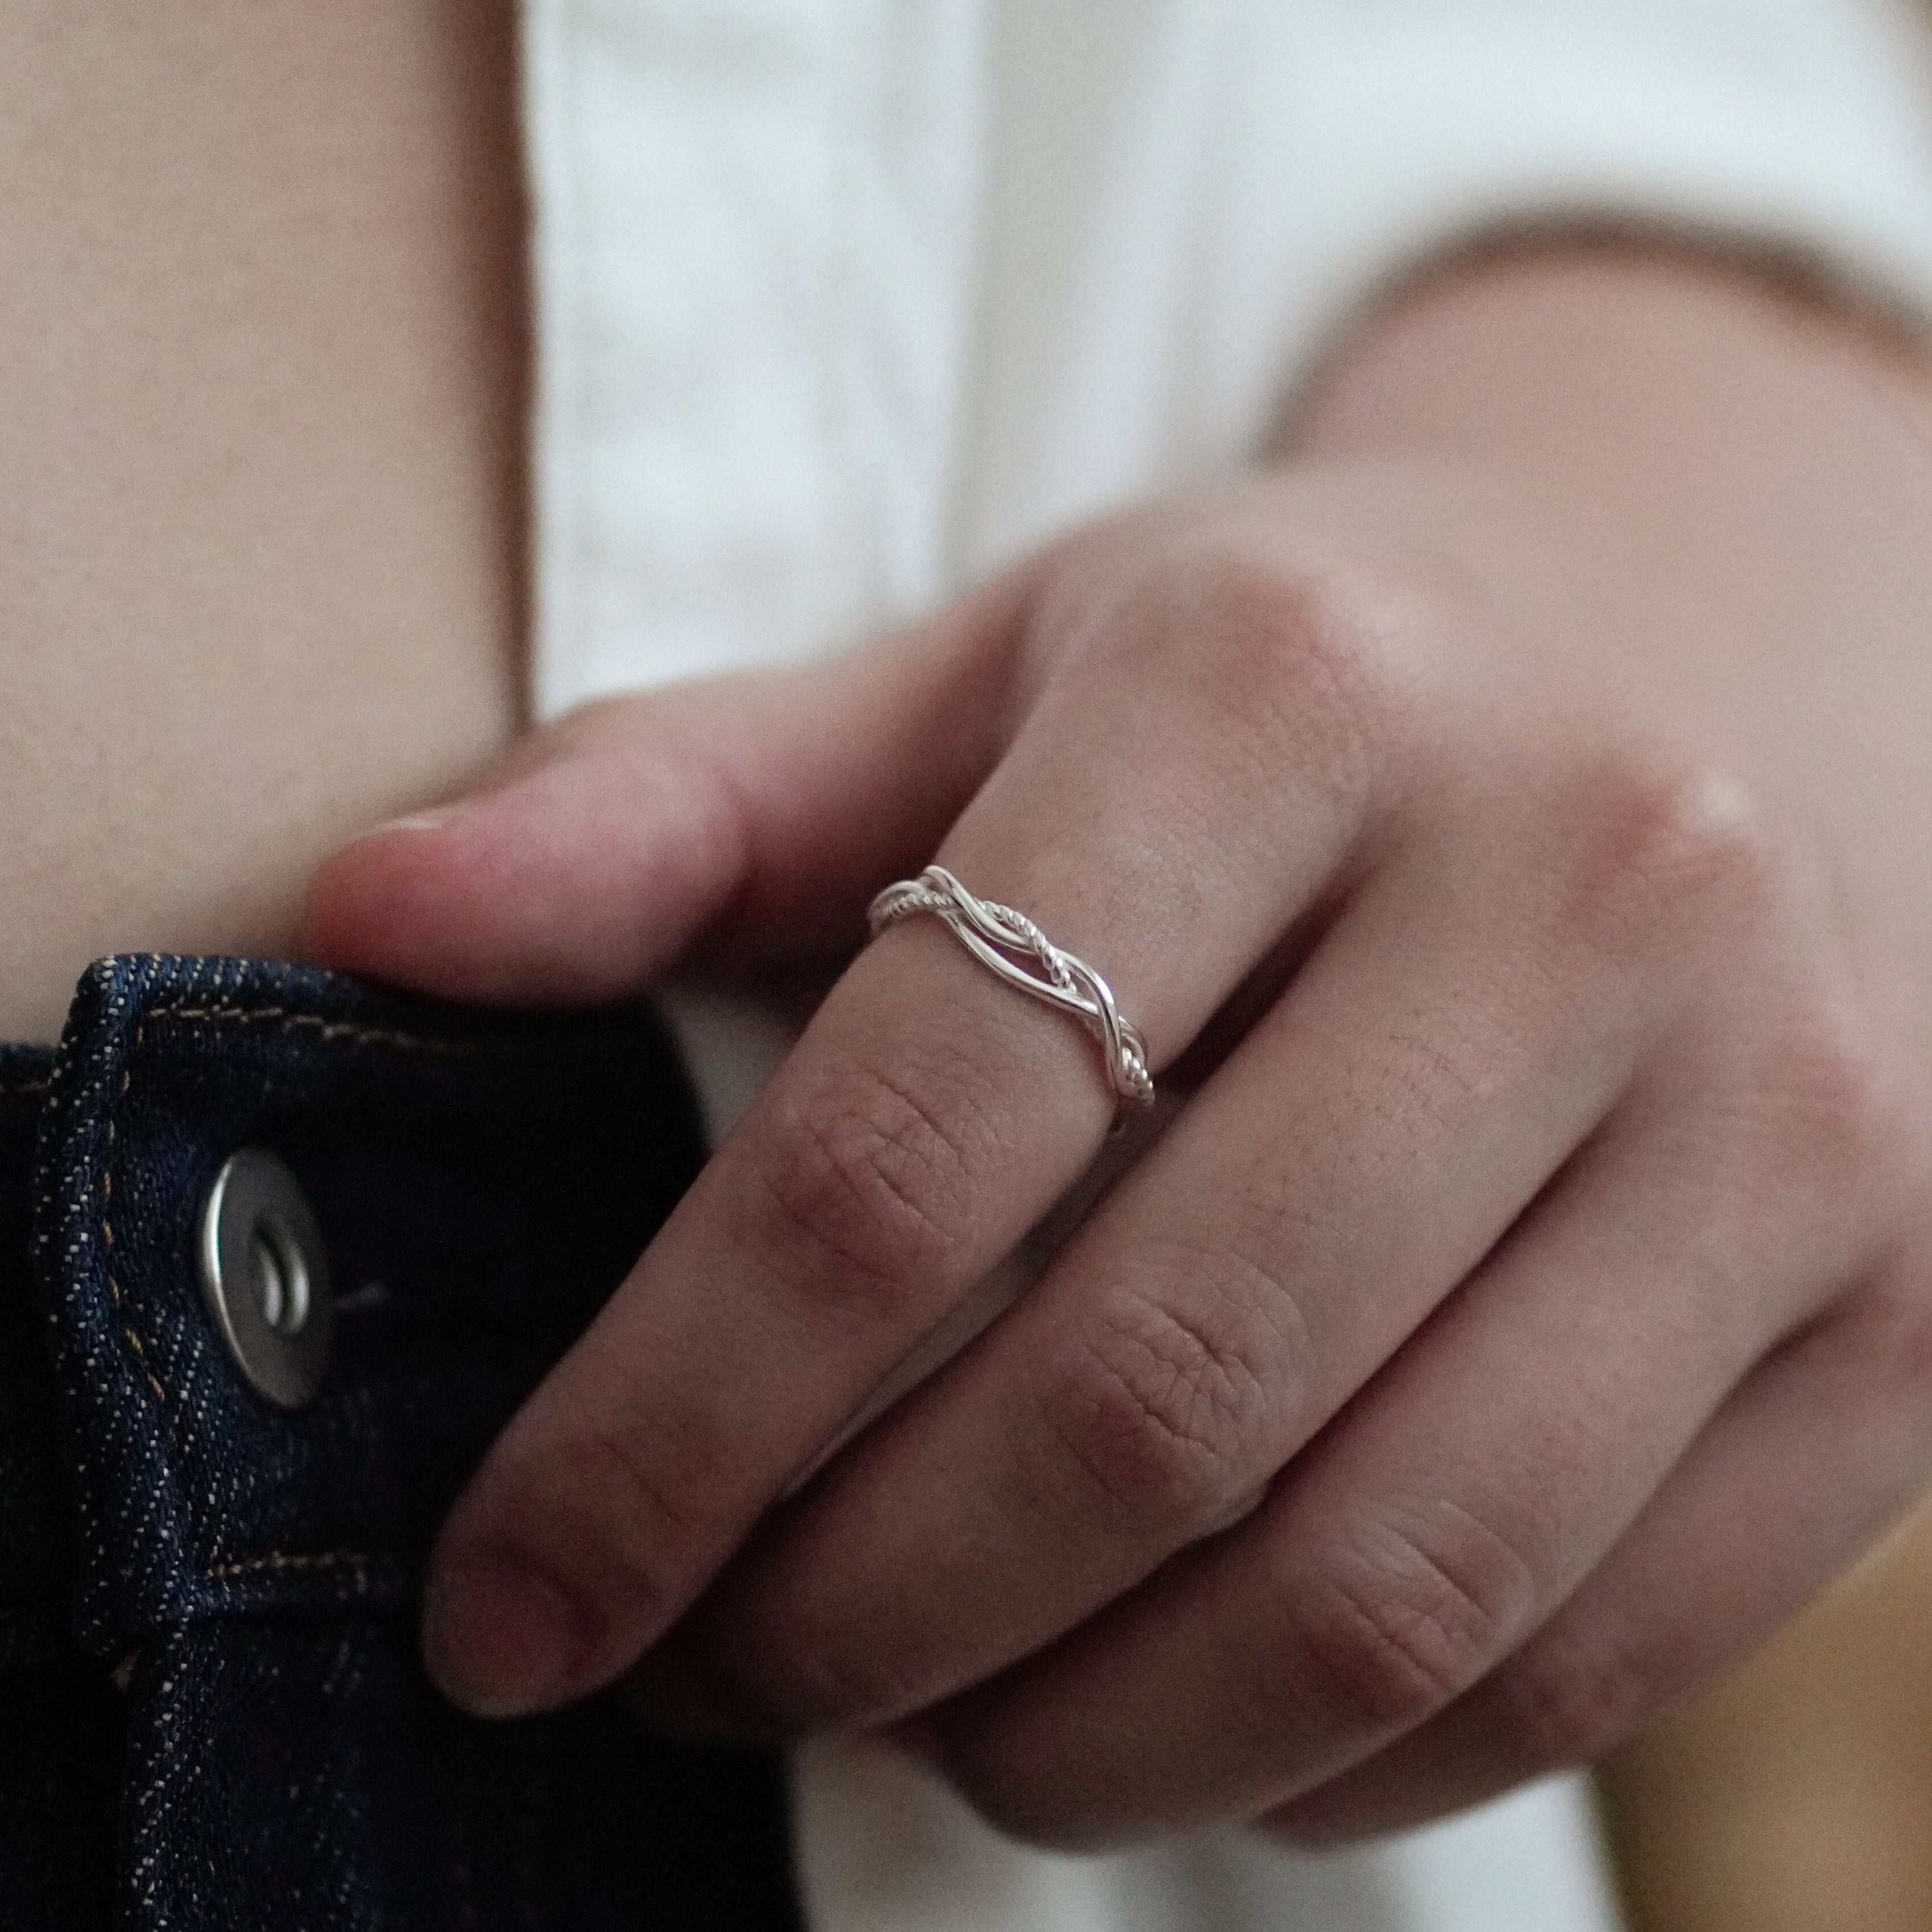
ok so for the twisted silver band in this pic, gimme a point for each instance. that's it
(1022, 956)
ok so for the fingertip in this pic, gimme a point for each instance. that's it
(425, 902)
(501, 1640)
(364, 897)
(570, 886)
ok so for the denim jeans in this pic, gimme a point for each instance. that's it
(211, 1713)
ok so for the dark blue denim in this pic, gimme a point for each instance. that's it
(211, 1712)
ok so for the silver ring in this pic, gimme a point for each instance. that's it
(1022, 956)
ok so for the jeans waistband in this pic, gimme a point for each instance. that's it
(248, 1573)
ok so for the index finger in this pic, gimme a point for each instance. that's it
(929, 1116)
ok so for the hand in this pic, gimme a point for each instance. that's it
(1531, 1302)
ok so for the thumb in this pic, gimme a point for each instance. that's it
(757, 813)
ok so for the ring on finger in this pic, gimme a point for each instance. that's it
(1015, 948)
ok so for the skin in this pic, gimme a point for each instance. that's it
(263, 263)
(261, 368)
(1503, 815)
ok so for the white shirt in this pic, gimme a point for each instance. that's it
(842, 303)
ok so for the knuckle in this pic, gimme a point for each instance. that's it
(1167, 1412)
(636, 744)
(1292, 651)
(1672, 852)
(1841, 1125)
(1287, 659)
(1892, 1320)
(865, 1181)
(1408, 1617)
(1806, 1125)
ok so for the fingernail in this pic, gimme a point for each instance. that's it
(415, 821)
(500, 1639)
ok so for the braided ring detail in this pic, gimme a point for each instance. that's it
(1022, 956)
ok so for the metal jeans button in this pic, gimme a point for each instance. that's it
(264, 1277)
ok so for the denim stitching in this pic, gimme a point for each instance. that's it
(362, 1036)
(121, 1314)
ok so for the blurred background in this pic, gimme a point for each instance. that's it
(1796, 1795)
